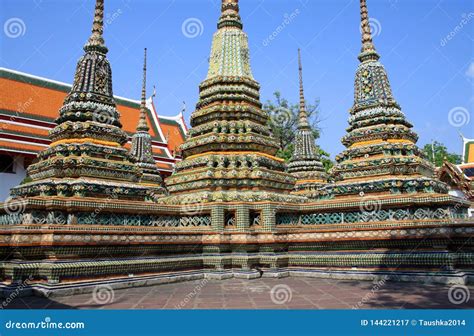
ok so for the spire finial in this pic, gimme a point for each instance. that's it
(368, 51)
(142, 125)
(96, 40)
(303, 115)
(230, 16)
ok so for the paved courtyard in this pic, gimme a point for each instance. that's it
(287, 293)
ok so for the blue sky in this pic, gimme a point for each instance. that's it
(430, 74)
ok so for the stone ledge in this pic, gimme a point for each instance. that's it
(50, 290)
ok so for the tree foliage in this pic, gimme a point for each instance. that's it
(283, 122)
(440, 154)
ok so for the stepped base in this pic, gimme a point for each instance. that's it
(75, 288)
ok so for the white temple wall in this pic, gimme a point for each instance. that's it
(10, 180)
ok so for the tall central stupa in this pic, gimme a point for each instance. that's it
(229, 153)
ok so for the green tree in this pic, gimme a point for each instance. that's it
(440, 154)
(283, 122)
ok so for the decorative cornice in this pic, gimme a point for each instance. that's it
(230, 16)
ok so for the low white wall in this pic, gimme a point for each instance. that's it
(10, 180)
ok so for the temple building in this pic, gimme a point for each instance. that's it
(94, 210)
(467, 165)
(29, 107)
(460, 178)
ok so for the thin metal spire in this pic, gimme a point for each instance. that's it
(142, 124)
(96, 40)
(303, 115)
(368, 51)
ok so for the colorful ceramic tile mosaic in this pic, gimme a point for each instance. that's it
(94, 211)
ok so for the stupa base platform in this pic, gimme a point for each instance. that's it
(57, 242)
(116, 283)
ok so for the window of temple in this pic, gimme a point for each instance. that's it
(229, 219)
(255, 218)
(7, 164)
(27, 162)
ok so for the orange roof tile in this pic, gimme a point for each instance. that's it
(30, 104)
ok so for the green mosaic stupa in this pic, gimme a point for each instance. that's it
(229, 153)
(97, 214)
(141, 150)
(87, 157)
(381, 155)
(305, 163)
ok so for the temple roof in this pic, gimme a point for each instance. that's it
(468, 151)
(454, 176)
(30, 104)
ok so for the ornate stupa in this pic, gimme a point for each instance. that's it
(229, 153)
(84, 223)
(141, 150)
(87, 157)
(381, 155)
(305, 163)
